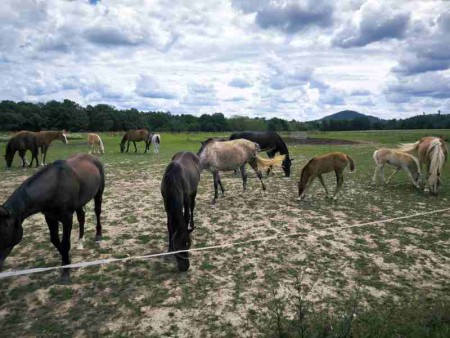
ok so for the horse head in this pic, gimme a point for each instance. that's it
(9, 156)
(286, 165)
(11, 233)
(63, 137)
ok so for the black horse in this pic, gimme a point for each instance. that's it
(271, 141)
(21, 142)
(58, 190)
(179, 188)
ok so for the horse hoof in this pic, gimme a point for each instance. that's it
(64, 280)
(98, 238)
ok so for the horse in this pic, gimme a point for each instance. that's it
(398, 159)
(179, 188)
(134, 136)
(270, 142)
(95, 143)
(321, 165)
(218, 156)
(44, 138)
(155, 140)
(57, 190)
(22, 142)
(432, 152)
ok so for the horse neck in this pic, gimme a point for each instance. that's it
(50, 136)
(20, 205)
(282, 148)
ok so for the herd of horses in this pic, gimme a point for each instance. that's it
(63, 188)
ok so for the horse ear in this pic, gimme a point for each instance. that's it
(3, 211)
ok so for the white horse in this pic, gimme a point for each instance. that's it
(399, 160)
(432, 152)
(155, 140)
(95, 144)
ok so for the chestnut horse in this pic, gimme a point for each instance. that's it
(134, 136)
(179, 188)
(398, 159)
(95, 143)
(44, 138)
(432, 152)
(22, 142)
(321, 165)
(218, 156)
(58, 190)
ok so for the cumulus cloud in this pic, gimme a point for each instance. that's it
(371, 23)
(150, 87)
(240, 82)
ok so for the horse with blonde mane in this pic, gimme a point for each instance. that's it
(134, 136)
(399, 160)
(321, 165)
(95, 144)
(218, 156)
(44, 138)
(432, 152)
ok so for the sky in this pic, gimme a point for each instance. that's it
(301, 59)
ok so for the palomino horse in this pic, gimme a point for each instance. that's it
(398, 159)
(155, 141)
(44, 138)
(179, 188)
(22, 142)
(58, 190)
(432, 152)
(321, 165)
(271, 142)
(218, 156)
(134, 136)
(95, 144)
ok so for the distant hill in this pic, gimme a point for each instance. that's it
(349, 115)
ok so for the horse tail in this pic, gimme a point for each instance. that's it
(352, 163)
(158, 139)
(437, 154)
(408, 147)
(267, 163)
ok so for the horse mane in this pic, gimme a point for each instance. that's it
(282, 147)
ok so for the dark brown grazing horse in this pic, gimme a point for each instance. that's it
(179, 188)
(44, 138)
(58, 190)
(22, 142)
(134, 136)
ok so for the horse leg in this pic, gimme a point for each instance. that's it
(323, 184)
(128, 146)
(258, 173)
(244, 176)
(375, 173)
(340, 180)
(392, 175)
(98, 199)
(65, 246)
(53, 226)
(187, 218)
(216, 182)
(81, 220)
(192, 206)
(22, 157)
(221, 186)
(156, 148)
(135, 148)
(44, 154)
(382, 174)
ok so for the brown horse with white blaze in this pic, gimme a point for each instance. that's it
(432, 152)
(58, 191)
(135, 135)
(320, 165)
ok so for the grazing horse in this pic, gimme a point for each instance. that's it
(321, 165)
(155, 141)
(58, 190)
(432, 152)
(179, 188)
(270, 142)
(134, 136)
(22, 142)
(218, 156)
(44, 138)
(398, 159)
(95, 143)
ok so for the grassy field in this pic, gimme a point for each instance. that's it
(371, 276)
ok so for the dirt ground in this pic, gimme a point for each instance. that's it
(227, 291)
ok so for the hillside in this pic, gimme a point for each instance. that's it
(349, 115)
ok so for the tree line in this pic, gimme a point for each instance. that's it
(71, 116)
